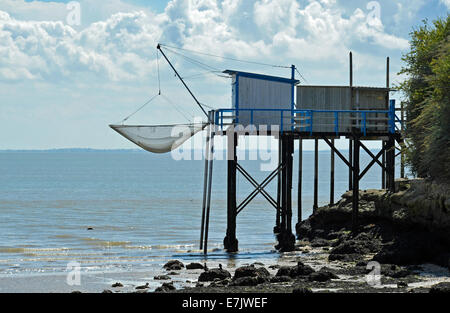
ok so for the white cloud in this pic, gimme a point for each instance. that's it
(118, 48)
(121, 47)
(446, 2)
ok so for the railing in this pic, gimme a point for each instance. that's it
(303, 120)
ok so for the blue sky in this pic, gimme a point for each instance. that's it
(61, 84)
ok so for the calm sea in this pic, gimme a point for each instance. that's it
(144, 208)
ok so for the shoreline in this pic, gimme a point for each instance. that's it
(401, 245)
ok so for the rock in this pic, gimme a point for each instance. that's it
(116, 285)
(280, 279)
(394, 271)
(199, 285)
(251, 271)
(302, 290)
(258, 264)
(107, 291)
(214, 273)
(76, 291)
(165, 287)
(90, 228)
(303, 229)
(248, 281)
(220, 283)
(142, 287)
(173, 273)
(319, 242)
(322, 275)
(411, 247)
(299, 270)
(443, 287)
(363, 243)
(162, 277)
(402, 284)
(194, 266)
(274, 267)
(173, 265)
(345, 257)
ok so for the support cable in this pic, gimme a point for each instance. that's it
(226, 58)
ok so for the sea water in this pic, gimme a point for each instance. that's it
(123, 211)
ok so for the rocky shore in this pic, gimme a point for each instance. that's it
(402, 245)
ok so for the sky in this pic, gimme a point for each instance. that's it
(69, 69)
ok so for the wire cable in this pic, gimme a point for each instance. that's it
(226, 58)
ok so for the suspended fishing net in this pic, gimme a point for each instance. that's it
(159, 138)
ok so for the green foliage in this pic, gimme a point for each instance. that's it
(427, 100)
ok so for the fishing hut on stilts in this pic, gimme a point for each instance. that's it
(264, 106)
(281, 108)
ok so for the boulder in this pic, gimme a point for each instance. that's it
(248, 281)
(251, 271)
(173, 265)
(319, 242)
(162, 277)
(302, 290)
(394, 271)
(322, 275)
(165, 287)
(443, 287)
(280, 279)
(194, 266)
(214, 273)
(294, 271)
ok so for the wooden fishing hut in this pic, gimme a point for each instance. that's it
(265, 105)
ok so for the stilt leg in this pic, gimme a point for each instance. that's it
(355, 184)
(230, 242)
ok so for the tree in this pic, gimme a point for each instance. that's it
(426, 89)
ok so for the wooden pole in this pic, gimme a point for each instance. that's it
(276, 229)
(230, 241)
(350, 143)
(383, 161)
(350, 160)
(284, 184)
(332, 174)
(402, 155)
(208, 202)
(300, 176)
(391, 163)
(289, 185)
(316, 174)
(205, 184)
(355, 202)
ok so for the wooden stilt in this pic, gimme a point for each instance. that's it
(316, 174)
(332, 174)
(276, 229)
(391, 163)
(355, 203)
(208, 201)
(230, 242)
(283, 184)
(402, 155)
(205, 185)
(350, 160)
(300, 176)
(290, 148)
(383, 161)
